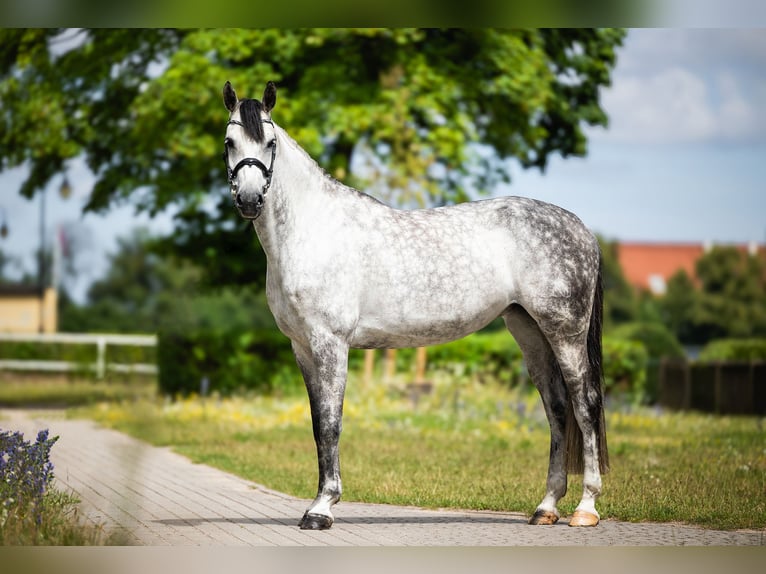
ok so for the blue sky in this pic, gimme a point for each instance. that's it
(684, 157)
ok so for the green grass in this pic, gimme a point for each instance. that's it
(469, 446)
(60, 526)
(50, 392)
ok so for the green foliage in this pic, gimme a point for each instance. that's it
(483, 356)
(146, 289)
(625, 363)
(31, 512)
(676, 307)
(733, 293)
(729, 301)
(656, 338)
(488, 356)
(620, 301)
(658, 342)
(230, 361)
(144, 109)
(82, 355)
(734, 350)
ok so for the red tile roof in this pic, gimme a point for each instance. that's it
(641, 261)
(650, 265)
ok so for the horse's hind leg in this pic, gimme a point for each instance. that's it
(546, 376)
(584, 389)
(324, 367)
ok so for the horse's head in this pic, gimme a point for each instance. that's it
(250, 142)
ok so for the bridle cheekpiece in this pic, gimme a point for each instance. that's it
(266, 171)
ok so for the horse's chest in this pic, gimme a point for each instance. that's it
(307, 299)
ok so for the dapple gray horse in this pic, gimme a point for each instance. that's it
(344, 270)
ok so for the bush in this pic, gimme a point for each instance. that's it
(734, 350)
(26, 472)
(31, 511)
(658, 340)
(229, 360)
(625, 364)
(485, 355)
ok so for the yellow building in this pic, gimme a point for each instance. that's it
(28, 310)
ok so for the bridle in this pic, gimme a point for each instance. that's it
(266, 171)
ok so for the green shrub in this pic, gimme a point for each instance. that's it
(482, 355)
(734, 350)
(625, 364)
(658, 340)
(230, 361)
(486, 355)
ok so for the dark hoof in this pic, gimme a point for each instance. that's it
(315, 522)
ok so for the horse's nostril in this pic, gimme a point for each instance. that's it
(238, 200)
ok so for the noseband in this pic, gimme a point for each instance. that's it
(266, 171)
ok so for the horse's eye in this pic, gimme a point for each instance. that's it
(271, 143)
(228, 143)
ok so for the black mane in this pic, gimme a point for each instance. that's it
(250, 116)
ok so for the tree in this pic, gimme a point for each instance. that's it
(677, 307)
(729, 300)
(125, 299)
(435, 114)
(143, 291)
(620, 300)
(733, 293)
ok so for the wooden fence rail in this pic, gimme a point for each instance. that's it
(101, 366)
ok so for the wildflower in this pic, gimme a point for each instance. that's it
(25, 474)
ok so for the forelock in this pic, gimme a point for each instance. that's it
(250, 116)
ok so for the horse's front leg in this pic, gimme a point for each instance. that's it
(324, 366)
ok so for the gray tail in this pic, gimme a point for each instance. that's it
(574, 443)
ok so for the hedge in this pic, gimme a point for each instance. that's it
(734, 350)
(225, 362)
(262, 361)
(659, 343)
(658, 340)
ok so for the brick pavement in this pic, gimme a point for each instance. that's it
(154, 497)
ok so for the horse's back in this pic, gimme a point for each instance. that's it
(434, 275)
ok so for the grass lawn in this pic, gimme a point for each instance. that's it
(43, 391)
(468, 446)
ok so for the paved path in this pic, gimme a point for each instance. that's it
(155, 497)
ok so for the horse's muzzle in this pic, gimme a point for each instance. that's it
(249, 207)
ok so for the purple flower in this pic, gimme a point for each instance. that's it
(26, 472)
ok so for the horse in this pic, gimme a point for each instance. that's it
(345, 270)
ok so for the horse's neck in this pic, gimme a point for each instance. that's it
(300, 195)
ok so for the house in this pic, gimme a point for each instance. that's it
(27, 309)
(649, 265)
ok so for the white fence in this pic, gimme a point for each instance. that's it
(100, 340)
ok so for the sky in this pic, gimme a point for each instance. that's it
(683, 159)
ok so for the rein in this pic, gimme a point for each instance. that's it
(267, 171)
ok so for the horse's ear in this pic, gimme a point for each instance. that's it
(229, 97)
(269, 96)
